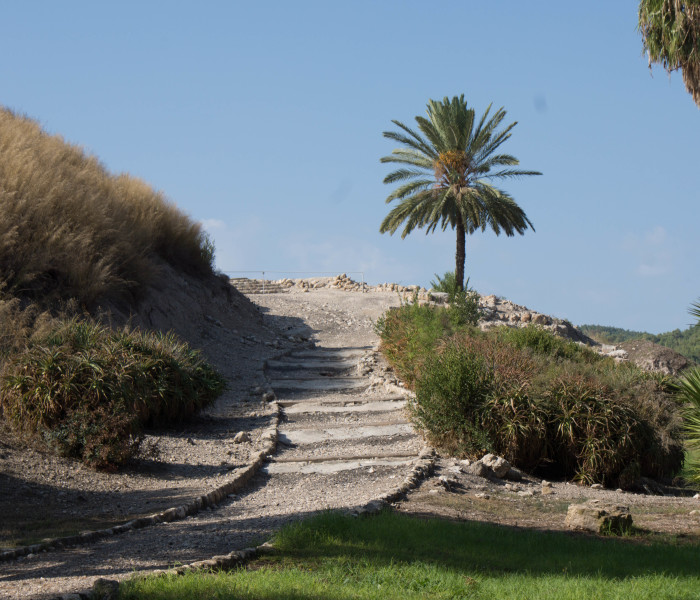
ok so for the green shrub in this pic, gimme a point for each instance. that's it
(544, 343)
(409, 333)
(464, 308)
(446, 283)
(533, 398)
(87, 391)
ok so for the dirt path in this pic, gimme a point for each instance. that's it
(343, 441)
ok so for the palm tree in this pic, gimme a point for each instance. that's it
(671, 35)
(447, 176)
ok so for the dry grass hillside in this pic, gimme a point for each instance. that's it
(71, 230)
(83, 253)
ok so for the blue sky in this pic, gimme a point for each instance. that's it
(264, 121)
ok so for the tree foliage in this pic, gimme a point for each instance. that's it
(445, 176)
(671, 35)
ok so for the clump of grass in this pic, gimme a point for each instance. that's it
(535, 399)
(394, 556)
(88, 391)
(71, 230)
(409, 334)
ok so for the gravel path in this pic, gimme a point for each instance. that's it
(343, 440)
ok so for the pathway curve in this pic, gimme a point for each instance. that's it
(342, 442)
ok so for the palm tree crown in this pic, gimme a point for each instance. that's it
(446, 176)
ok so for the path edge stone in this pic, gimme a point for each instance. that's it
(175, 513)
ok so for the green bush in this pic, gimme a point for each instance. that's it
(533, 398)
(87, 391)
(446, 283)
(409, 333)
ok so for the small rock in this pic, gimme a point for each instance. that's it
(241, 437)
(526, 493)
(482, 495)
(547, 488)
(697, 496)
(479, 469)
(694, 512)
(434, 491)
(500, 466)
(269, 397)
(597, 486)
(105, 589)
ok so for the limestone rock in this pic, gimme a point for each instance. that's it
(241, 437)
(478, 468)
(599, 517)
(500, 466)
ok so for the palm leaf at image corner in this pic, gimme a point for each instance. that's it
(689, 393)
(695, 309)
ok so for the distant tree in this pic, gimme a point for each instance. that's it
(446, 180)
(671, 35)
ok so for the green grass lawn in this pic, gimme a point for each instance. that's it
(393, 556)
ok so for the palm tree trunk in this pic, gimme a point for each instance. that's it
(460, 256)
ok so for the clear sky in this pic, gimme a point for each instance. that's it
(264, 121)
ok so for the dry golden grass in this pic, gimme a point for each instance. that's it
(71, 230)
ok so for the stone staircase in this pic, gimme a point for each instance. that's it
(330, 424)
(256, 286)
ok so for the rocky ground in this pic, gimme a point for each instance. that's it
(343, 440)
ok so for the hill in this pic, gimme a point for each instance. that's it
(85, 257)
(685, 342)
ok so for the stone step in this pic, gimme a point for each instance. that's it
(350, 449)
(326, 384)
(256, 286)
(311, 406)
(311, 364)
(298, 437)
(331, 353)
(336, 466)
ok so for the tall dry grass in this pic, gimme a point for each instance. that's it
(70, 229)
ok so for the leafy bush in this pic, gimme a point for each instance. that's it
(409, 333)
(544, 343)
(533, 398)
(87, 391)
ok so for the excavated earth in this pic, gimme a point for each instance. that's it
(343, 440)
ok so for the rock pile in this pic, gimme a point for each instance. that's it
(497, 311)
